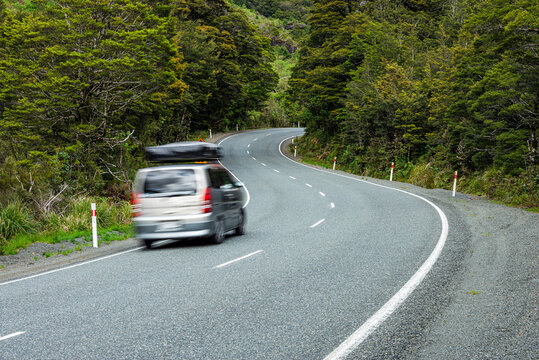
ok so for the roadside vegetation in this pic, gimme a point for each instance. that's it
(433, 86)
(20, 226)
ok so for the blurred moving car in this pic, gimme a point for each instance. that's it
(197, 198)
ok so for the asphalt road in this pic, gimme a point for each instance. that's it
(322, 255)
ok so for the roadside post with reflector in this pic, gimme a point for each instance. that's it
(211, 137)
(334, 162)
(292, 140)
(455, 184)
(391, 175)
(94, 225)
(295, 151)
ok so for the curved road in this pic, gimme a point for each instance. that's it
(322, 255)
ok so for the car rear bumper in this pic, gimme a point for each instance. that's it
(156, 228)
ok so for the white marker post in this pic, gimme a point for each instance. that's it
(391, 175)
(455, 184)
(237, 128)
(298, 124)
(295, 151)
(292, 140)
(211, 137)
(334, 162)
(94, 224)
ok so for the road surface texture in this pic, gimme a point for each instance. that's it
(324, 256)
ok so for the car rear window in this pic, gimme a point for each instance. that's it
(171, 182)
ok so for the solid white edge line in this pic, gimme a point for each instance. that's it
(354, 340)
(235, 177)
(318, 223)
(71, 266)
(12, 335)
(238, 259)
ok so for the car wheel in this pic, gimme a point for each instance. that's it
(240, 230)
(219, 235)
(148, 244)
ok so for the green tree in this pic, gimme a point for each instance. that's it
(75, 78)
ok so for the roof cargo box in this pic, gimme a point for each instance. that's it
(184, 152)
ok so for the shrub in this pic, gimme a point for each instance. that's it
(16, 219)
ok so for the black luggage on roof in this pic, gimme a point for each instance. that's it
(184, 151)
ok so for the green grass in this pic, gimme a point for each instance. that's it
(23, 240)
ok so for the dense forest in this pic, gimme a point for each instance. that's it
(85, 85)
(432, 85)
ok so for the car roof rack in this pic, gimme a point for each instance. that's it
(182, 152)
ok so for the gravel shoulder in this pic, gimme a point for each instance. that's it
(478, 302)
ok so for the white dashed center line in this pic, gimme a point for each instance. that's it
(291, 177)
(318, 223)
(249, 145)
(263, 164)
(309, 185)
(12, 335)
(276, 170)
(238, 259)
(332, 205)
(253, 157)
(322, 194)
(248, 152)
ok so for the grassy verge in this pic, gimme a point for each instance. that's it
(106, 235)
(21, 226)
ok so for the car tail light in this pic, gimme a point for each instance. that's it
(206, 201)
(135, 205)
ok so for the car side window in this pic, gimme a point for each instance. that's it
(215, 179)
(226, 181)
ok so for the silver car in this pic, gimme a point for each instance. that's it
(187, 201)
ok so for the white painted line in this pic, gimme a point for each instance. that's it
(253, 158)
(238, 259)
(322, 194)
(291, 177)
(72, 266)
(249, 145)
(276, 170)
(248, 152)
(263, 164)
(332, 205)
(235, 177)
(12, 335)
(309, 185)
(392, 304)
(255, 139)
(318, 223)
